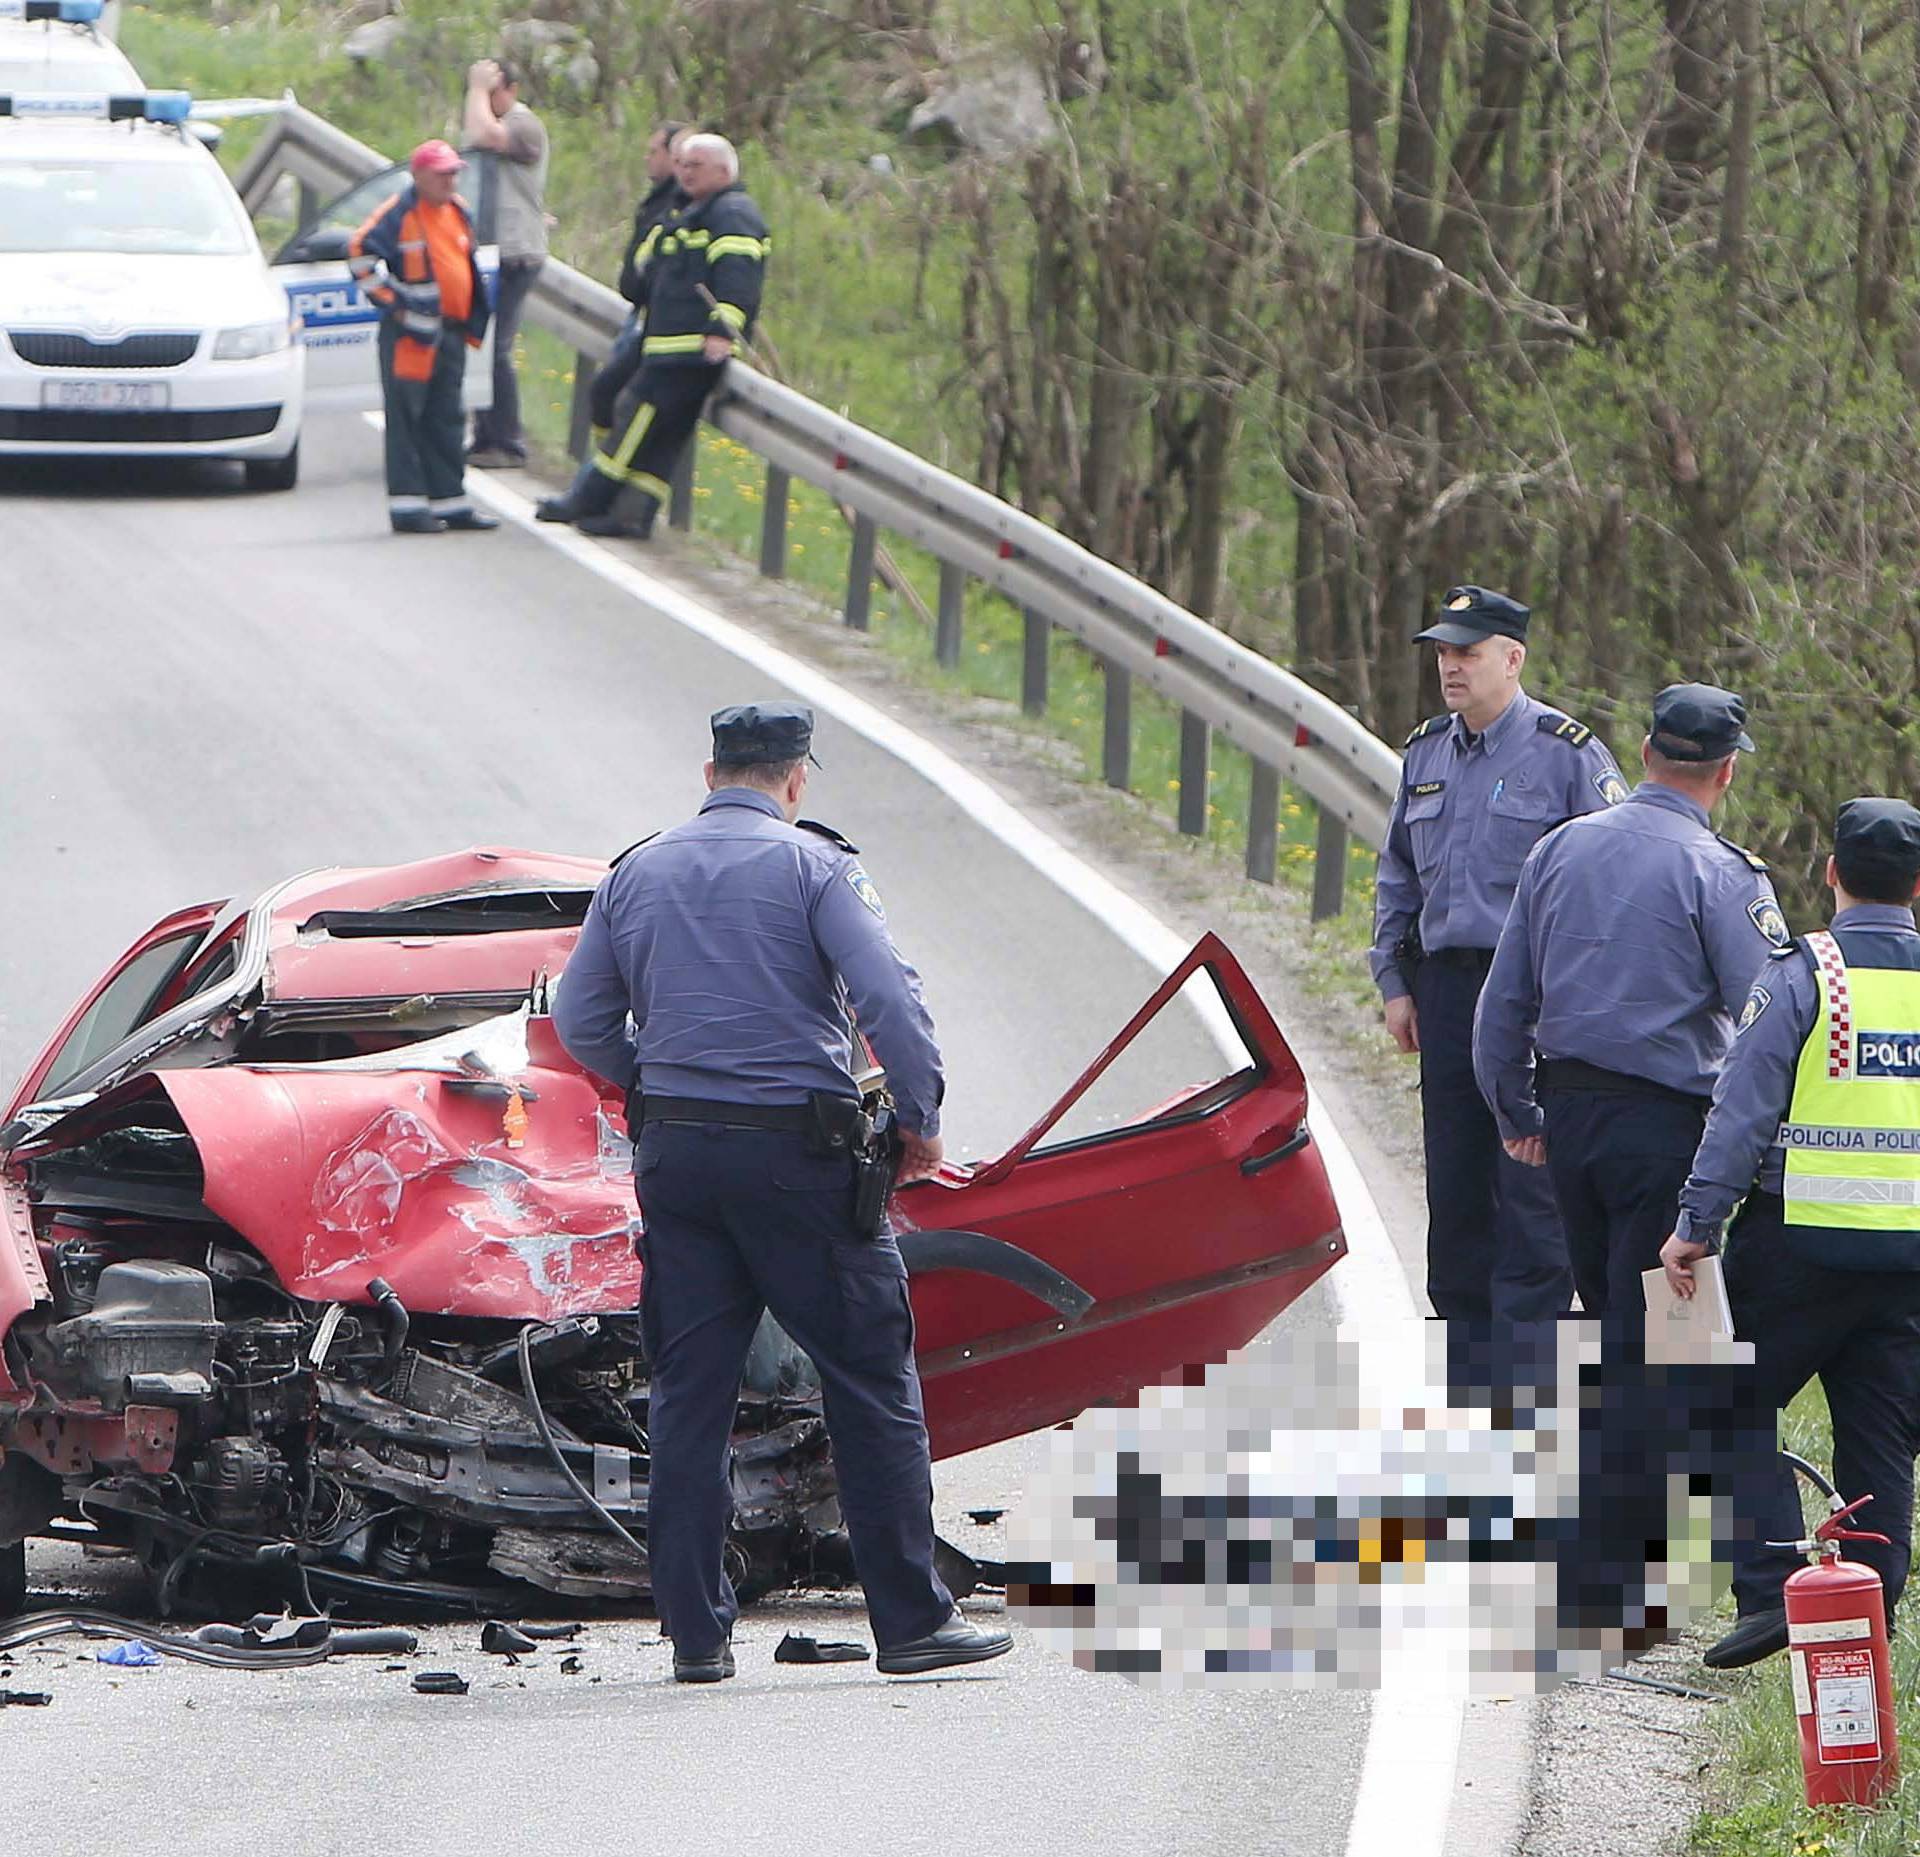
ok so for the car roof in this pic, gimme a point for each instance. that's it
(34, 139)
(51, 56)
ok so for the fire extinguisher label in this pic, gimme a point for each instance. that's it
(1828, 1630)
(1846, 1723)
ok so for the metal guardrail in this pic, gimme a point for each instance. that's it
(1286, 727)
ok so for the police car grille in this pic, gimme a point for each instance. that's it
(89, 428)
(39, 349)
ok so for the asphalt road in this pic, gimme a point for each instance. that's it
(204, 692)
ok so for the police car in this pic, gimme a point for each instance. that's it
(137, 314)
(48, 45)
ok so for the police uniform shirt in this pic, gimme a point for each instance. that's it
(1632, 944)
(736, 941)
(1741, 1149)
(1468, 811)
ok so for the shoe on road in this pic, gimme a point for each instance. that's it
(1750, 1640)
(554, 509)
(713, 1668)
(470, 519)
(956, 1642)
(418, 522)
(612, 525)
(495, 458)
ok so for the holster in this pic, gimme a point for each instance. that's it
(1408, 954)
(876, 1163)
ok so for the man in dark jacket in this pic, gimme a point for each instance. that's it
(662, 199)
(415, 259)
(699, 276)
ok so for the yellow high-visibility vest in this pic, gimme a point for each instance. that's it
(1852, 1133)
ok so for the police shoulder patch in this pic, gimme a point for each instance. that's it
(1564, 728)
(862, 886)
(1757, 1003)
(1768, 917)
(829, 834)
(1427, 728)
(1752, 859)
(1610, 787)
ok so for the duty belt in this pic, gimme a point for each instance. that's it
(1477, 959)
(1573, 1073)
(794, 1118)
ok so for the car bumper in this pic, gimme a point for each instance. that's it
(215, 409)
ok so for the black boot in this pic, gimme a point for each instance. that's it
(417, 522)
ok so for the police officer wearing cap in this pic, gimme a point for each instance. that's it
(1626, 959)
(712, 981)
(1478, 788)
(1816, 1125)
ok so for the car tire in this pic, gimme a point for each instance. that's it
(275, 473)
(13, 1579)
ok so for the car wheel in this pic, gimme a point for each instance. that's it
(13, 1579)
(275, 473)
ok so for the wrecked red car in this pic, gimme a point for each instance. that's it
(317, 1262)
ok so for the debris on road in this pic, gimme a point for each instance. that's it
(795, 1648)
(132, 1654)
(24, 1698)
(439, 1683)
(505, 1640)
(570, 1665)
(984, 1518)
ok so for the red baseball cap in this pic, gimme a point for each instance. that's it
(435, 157)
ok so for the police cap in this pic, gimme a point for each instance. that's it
(1469, 614)
(1697, 722)
(762, 734)
(1878, 838)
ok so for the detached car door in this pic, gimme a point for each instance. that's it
(340, 322)
(1153, 1244)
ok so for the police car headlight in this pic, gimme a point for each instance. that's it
(255, 340)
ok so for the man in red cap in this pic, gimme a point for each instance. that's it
(415, 259)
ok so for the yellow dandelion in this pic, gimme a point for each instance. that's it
(799, 548)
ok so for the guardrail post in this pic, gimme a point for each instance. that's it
(1117, 745)
(1194, 745)
(859, 612)
(1033, 666)
(1330, 866)
(580, 411)
(773, 525)
(1263, 821)
(680, 488)
(946, 629)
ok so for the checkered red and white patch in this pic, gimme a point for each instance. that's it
(1833, 970)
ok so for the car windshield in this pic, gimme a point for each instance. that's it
(134, 208)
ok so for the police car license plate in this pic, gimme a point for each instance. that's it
(107, 396)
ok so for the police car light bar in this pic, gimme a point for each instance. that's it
(69, 12)
(156, 106)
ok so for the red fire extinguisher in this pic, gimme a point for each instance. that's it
(1842, 1670)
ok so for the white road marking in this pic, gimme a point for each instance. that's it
(1407, 1778)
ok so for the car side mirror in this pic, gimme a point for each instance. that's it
(323, 245)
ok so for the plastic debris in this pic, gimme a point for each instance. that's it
(570, 1665)
(24, 1699)
(795, 1648)
(504, 1640)
(440, 1683)
(984, 1518)
(133, 1654)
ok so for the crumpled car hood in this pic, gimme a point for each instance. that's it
(336, 1176)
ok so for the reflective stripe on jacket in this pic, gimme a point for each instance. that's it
(700, 273)
(1852, 1134)
(396, 237)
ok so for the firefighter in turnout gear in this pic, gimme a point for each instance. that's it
(415, 259)
(1816, 1125)
(699, 273)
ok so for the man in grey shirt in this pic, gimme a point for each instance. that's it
(497, 121)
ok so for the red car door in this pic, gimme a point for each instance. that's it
(128, 994)
(1190, 1230)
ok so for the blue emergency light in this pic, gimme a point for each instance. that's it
(68, 12)
(155, 106)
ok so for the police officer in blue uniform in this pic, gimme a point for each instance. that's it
(1823, 1262)
(736, 944)
(1478, 788)
(1626, 959)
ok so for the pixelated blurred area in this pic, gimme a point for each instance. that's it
(1473, 1510)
